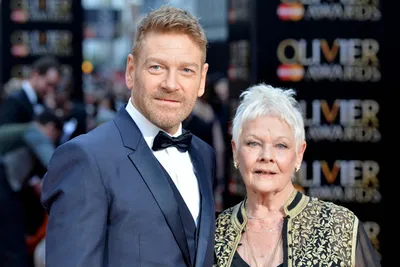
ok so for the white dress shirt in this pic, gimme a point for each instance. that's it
(178, 165)
(30, 92)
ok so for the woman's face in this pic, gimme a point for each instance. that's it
(266, 154)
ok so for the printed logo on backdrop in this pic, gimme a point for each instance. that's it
(343, 120)
(354, 181)
(340, 10)
(24, 11)
(347, 60)
(38, 43)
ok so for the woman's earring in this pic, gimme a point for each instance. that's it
(235, 164)
(297, 169)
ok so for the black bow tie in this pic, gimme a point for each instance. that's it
(163, 140)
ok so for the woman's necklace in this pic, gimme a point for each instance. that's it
(249, 250)
(261, 218)
(260, 226)
(265, 228)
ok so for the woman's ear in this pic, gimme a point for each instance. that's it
(235, 160)
(300, 153)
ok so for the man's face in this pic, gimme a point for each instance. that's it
(166, 79)
(47, 83)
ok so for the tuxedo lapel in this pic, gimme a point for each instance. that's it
(206, 202)
(26, 103)
(152, 174)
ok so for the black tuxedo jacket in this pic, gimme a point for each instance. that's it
(16, 108)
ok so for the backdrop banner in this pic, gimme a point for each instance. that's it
(330, 52)
(35, 28)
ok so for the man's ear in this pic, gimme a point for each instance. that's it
(129, 72)
(203, 80)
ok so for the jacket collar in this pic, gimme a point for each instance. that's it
(293, 206)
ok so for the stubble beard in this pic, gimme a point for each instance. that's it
(164, 118)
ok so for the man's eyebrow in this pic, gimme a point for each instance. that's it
(153, 59)
(164, 62)
(189, 64)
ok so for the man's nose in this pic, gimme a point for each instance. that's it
(171, 81)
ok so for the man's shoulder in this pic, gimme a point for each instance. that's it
(202, 144)
(17, 94)
(15, 97)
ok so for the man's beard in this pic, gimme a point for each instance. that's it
(166, 118)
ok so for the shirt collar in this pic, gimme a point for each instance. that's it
(30, 92)
(147, 128)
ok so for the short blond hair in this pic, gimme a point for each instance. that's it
(168, 19)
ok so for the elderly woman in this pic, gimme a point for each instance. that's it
(276, 225)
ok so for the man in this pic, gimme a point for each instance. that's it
(38, 138)
(22, 105)
(25, 150)
(119, 195)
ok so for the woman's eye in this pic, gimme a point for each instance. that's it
(252, 143)
(281, 146)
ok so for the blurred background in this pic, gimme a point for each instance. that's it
(329, 51)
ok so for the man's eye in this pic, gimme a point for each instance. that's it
(187, 70)
(155, 67)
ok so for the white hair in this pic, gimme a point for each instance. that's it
(265, 100)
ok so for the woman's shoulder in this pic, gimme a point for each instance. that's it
(331, 208)
(225, 215)
(227, 225)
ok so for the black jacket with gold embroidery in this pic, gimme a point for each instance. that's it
(314, 233)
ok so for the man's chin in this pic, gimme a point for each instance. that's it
(167, 123)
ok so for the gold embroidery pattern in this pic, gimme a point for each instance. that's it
(225, 235)
(322, 235)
